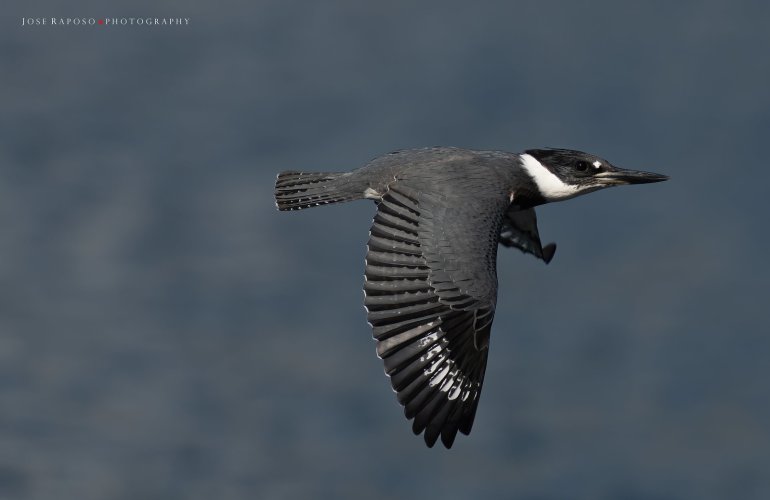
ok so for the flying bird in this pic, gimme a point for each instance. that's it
(430, 281)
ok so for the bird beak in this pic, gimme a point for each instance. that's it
(622, 176)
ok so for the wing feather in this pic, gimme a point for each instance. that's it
(430, 329)
(520, 230)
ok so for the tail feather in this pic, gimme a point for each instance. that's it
(298, 190)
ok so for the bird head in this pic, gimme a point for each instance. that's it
(565, 173)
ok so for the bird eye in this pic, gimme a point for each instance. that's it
(582, 166)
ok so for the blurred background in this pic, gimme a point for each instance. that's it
(165, 333)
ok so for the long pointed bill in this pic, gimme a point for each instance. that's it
(621, 176)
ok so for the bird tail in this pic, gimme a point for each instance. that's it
(299, 190)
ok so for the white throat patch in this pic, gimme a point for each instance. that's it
(550, 186)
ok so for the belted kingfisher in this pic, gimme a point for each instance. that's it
(430, 284)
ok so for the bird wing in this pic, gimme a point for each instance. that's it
(520, 230)
(430, 293)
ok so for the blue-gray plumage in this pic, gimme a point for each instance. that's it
(431, 280)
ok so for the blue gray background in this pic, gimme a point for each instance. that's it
(166, 334)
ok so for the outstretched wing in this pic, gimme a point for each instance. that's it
(520, 230)
(430, 293)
